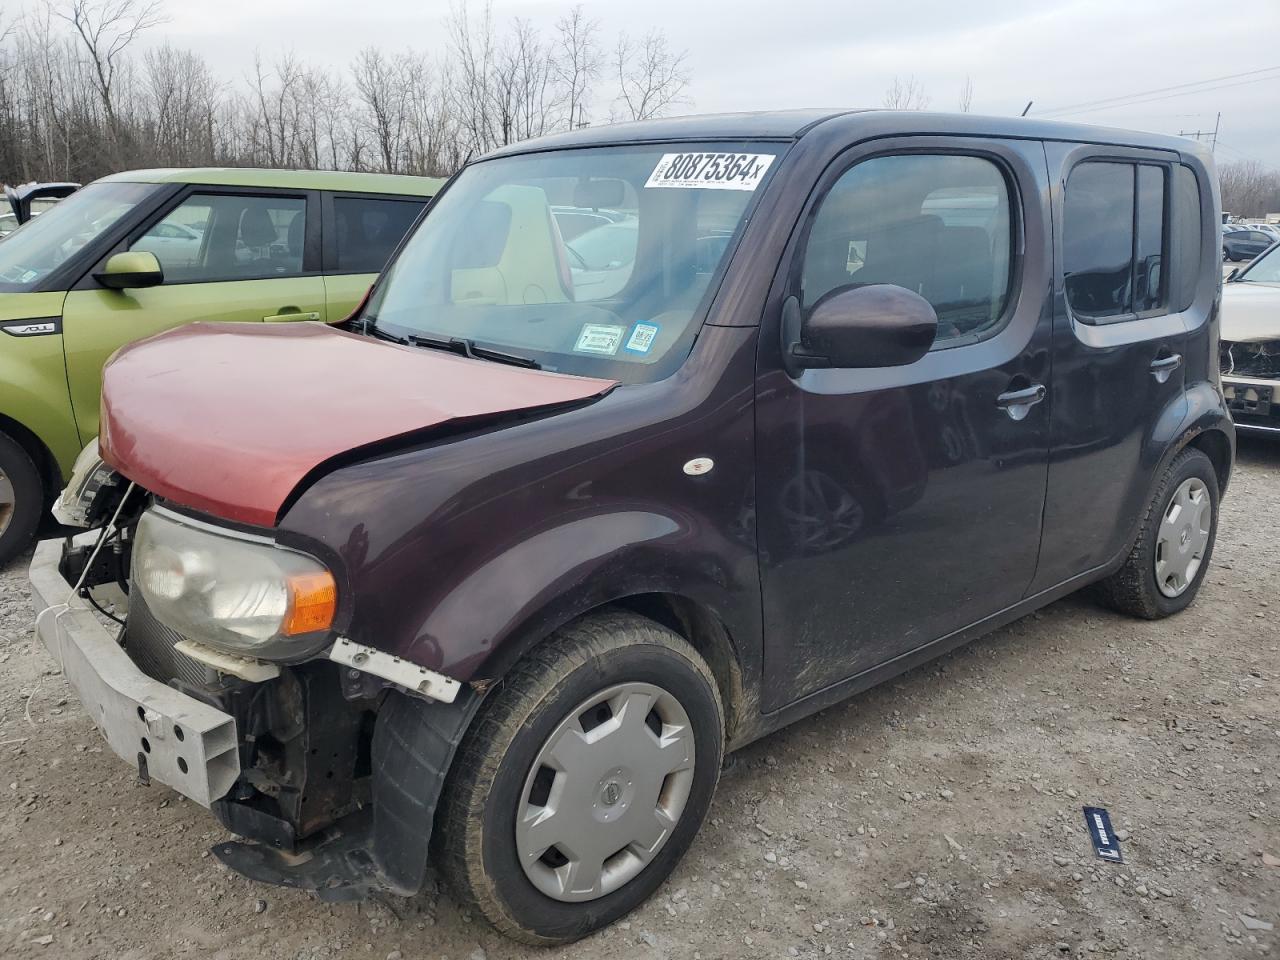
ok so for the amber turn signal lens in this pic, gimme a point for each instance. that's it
(313, 600)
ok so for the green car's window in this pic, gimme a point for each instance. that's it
(46, 242)
(228, 237)
(595, 261)
(368, 229)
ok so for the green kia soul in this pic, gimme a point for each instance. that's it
(136, 253)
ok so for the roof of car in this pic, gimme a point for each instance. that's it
(292, 179)
(793, 124)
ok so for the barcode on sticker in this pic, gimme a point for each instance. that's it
(710, 171)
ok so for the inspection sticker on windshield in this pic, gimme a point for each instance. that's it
(710, 171)
(599, 338)
(642, 337)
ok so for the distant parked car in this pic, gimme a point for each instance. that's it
(1245, 244)
(1250, 344)
(136, 253)
(30, 200)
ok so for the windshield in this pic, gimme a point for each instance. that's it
(44, 243)
(648, 229)
(1265, 269)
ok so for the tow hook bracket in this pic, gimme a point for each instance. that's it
(400, 672)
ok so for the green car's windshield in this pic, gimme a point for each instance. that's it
(490, 264)
(1265, 269)
(46, 242)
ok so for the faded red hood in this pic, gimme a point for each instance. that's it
(228, 418)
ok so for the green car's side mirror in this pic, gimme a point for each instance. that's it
(124, 271)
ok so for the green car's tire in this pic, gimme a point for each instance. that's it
(21, 499)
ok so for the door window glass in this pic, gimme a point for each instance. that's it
(938, 225)
(1148, 260)
(228, 237)
(1185, 231)
(368, 230)
(1097, 239)
(1113, 254)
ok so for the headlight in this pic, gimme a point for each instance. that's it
(245, 595)
(89, 475)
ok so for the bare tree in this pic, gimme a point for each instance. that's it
(107, 28)
(1249, 189)
(77, 101)
(651, 76)
(966, 95)
(905, 94)
(576, 62)
(383, 95)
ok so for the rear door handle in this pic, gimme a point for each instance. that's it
(1162, 367)
(291, 317)
(1017, 403)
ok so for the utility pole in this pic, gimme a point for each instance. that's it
(1210, 135)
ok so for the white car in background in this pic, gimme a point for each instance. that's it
(1250, 346)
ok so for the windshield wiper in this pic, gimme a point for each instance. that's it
(369, 326)
(467, 348)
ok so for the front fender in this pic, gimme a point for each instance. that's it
(512, 602)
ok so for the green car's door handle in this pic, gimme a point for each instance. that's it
(291, 317)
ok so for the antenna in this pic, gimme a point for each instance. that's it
(1026, 108)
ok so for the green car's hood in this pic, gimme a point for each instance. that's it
(31, 306)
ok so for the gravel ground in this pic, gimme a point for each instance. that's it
(937, 816)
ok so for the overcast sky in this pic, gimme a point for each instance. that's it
(761, 54)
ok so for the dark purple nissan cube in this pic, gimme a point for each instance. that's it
(651, 439)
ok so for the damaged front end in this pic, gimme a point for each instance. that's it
(230, 680)
(1251, 383)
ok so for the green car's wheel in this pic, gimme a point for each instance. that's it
(21, 498)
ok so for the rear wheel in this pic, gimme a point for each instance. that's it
(1169, 559)
(582, 780)
(21, 499)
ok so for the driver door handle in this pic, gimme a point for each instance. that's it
(291, 317)
(1017, 403)
(1163, 366)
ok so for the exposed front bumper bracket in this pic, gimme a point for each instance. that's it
(168, 736)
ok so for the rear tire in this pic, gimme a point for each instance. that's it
(504, 785)
(1164, 570)
(21, 499)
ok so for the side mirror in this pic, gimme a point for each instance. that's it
(1235, 272)
(132, 270)
(879, 325)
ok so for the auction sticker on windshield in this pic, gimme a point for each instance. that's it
(710, 171)
(599, 338)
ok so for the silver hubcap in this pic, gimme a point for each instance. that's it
(605, 792)
(6, 501)
(1183, 537)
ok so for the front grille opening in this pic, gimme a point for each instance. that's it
(1259, 359)
(149, 644)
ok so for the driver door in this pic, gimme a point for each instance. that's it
(227, 255)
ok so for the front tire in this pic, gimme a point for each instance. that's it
(1168, 562)
(582, 780)
(21, 499)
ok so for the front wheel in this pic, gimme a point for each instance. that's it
(21, 499)
(1167, 564)
(582, 780)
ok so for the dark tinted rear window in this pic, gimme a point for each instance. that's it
(368, 230)
(1184, 252)
(1097, 238)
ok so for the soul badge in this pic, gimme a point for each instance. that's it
(1105, 843)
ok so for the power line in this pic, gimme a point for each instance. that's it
(1199, 85)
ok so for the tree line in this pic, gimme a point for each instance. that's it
(79, 99)
(1249, 189)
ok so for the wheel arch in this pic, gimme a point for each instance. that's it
(40, 454)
